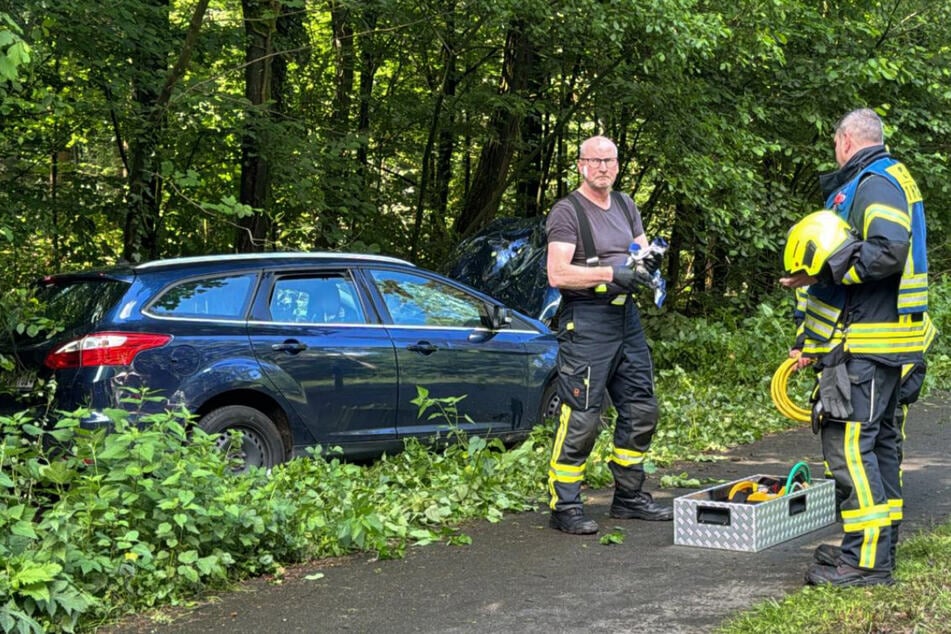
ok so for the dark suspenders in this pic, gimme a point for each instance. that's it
(584, 227)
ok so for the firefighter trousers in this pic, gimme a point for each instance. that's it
(912, 379)
(601, 349)
(862, 454)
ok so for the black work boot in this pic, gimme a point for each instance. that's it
(572, 521)
(827, 554)
(639, 506)
(844, 575)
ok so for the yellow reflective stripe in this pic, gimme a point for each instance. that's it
(627, 457)
(903, 176)
(895, 510)
(555, 475)
(560, 434)
(818, 329)
(913, 280)
(860, 519)
(929, 332)
(822, 310)
(851, 277)
(888, 214)
(853, 461)
(908, 301)
(802, 299)
(811, 347)
(568, 469)
(821, 318)
(912, 290)
(884, 338)
(869, 548)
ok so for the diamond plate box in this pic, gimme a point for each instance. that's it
(707, 519)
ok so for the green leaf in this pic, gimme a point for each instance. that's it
(188, 557)
(614, 537)
(33, 574)
(24, 529)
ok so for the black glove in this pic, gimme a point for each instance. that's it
(628, 278)
(835, 391)
(653, 261)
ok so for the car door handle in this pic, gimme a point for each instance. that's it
(423, 347)
(289, 346)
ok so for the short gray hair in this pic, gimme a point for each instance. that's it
(863, 124)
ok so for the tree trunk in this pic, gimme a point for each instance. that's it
(491, 177)
(338, 202)
(143, 213)
(260, 26)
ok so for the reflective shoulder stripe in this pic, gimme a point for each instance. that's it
(888, 214)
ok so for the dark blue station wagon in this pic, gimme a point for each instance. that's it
(293, 350)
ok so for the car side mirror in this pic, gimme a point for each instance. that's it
(497, 316)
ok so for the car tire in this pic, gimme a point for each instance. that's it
(551, 403)
(261, 441)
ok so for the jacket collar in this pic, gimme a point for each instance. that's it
(832, 181)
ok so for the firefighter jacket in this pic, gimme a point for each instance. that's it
(873, 296)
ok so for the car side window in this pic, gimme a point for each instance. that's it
(316, 299)
(417, 300)
(217, 297)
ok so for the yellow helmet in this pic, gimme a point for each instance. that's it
(813, 239)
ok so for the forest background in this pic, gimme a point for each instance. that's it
(137, 129)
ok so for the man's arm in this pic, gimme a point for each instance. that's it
(563, 274)
(880, 215)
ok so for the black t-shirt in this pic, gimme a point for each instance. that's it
(610, 231)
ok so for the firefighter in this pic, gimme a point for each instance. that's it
(865, 318)
(601, 343)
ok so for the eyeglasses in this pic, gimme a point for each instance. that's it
(597, 162)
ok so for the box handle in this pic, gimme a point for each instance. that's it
(797, 505)
(713, 515)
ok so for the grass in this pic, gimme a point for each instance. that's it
(919, 603)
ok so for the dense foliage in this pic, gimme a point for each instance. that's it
(136, 129)
(150, 517)
(144, 128)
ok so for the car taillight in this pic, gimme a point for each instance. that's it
(103, 348)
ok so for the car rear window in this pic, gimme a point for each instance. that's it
(218, 297)
(76, 304)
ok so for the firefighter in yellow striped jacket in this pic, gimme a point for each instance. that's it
(865, 318)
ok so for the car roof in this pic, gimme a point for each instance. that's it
(270, 258)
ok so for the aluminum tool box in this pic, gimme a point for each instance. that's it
(708, 519)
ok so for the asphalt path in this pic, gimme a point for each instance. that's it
(518, 575)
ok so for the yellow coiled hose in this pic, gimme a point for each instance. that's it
(778, 390)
